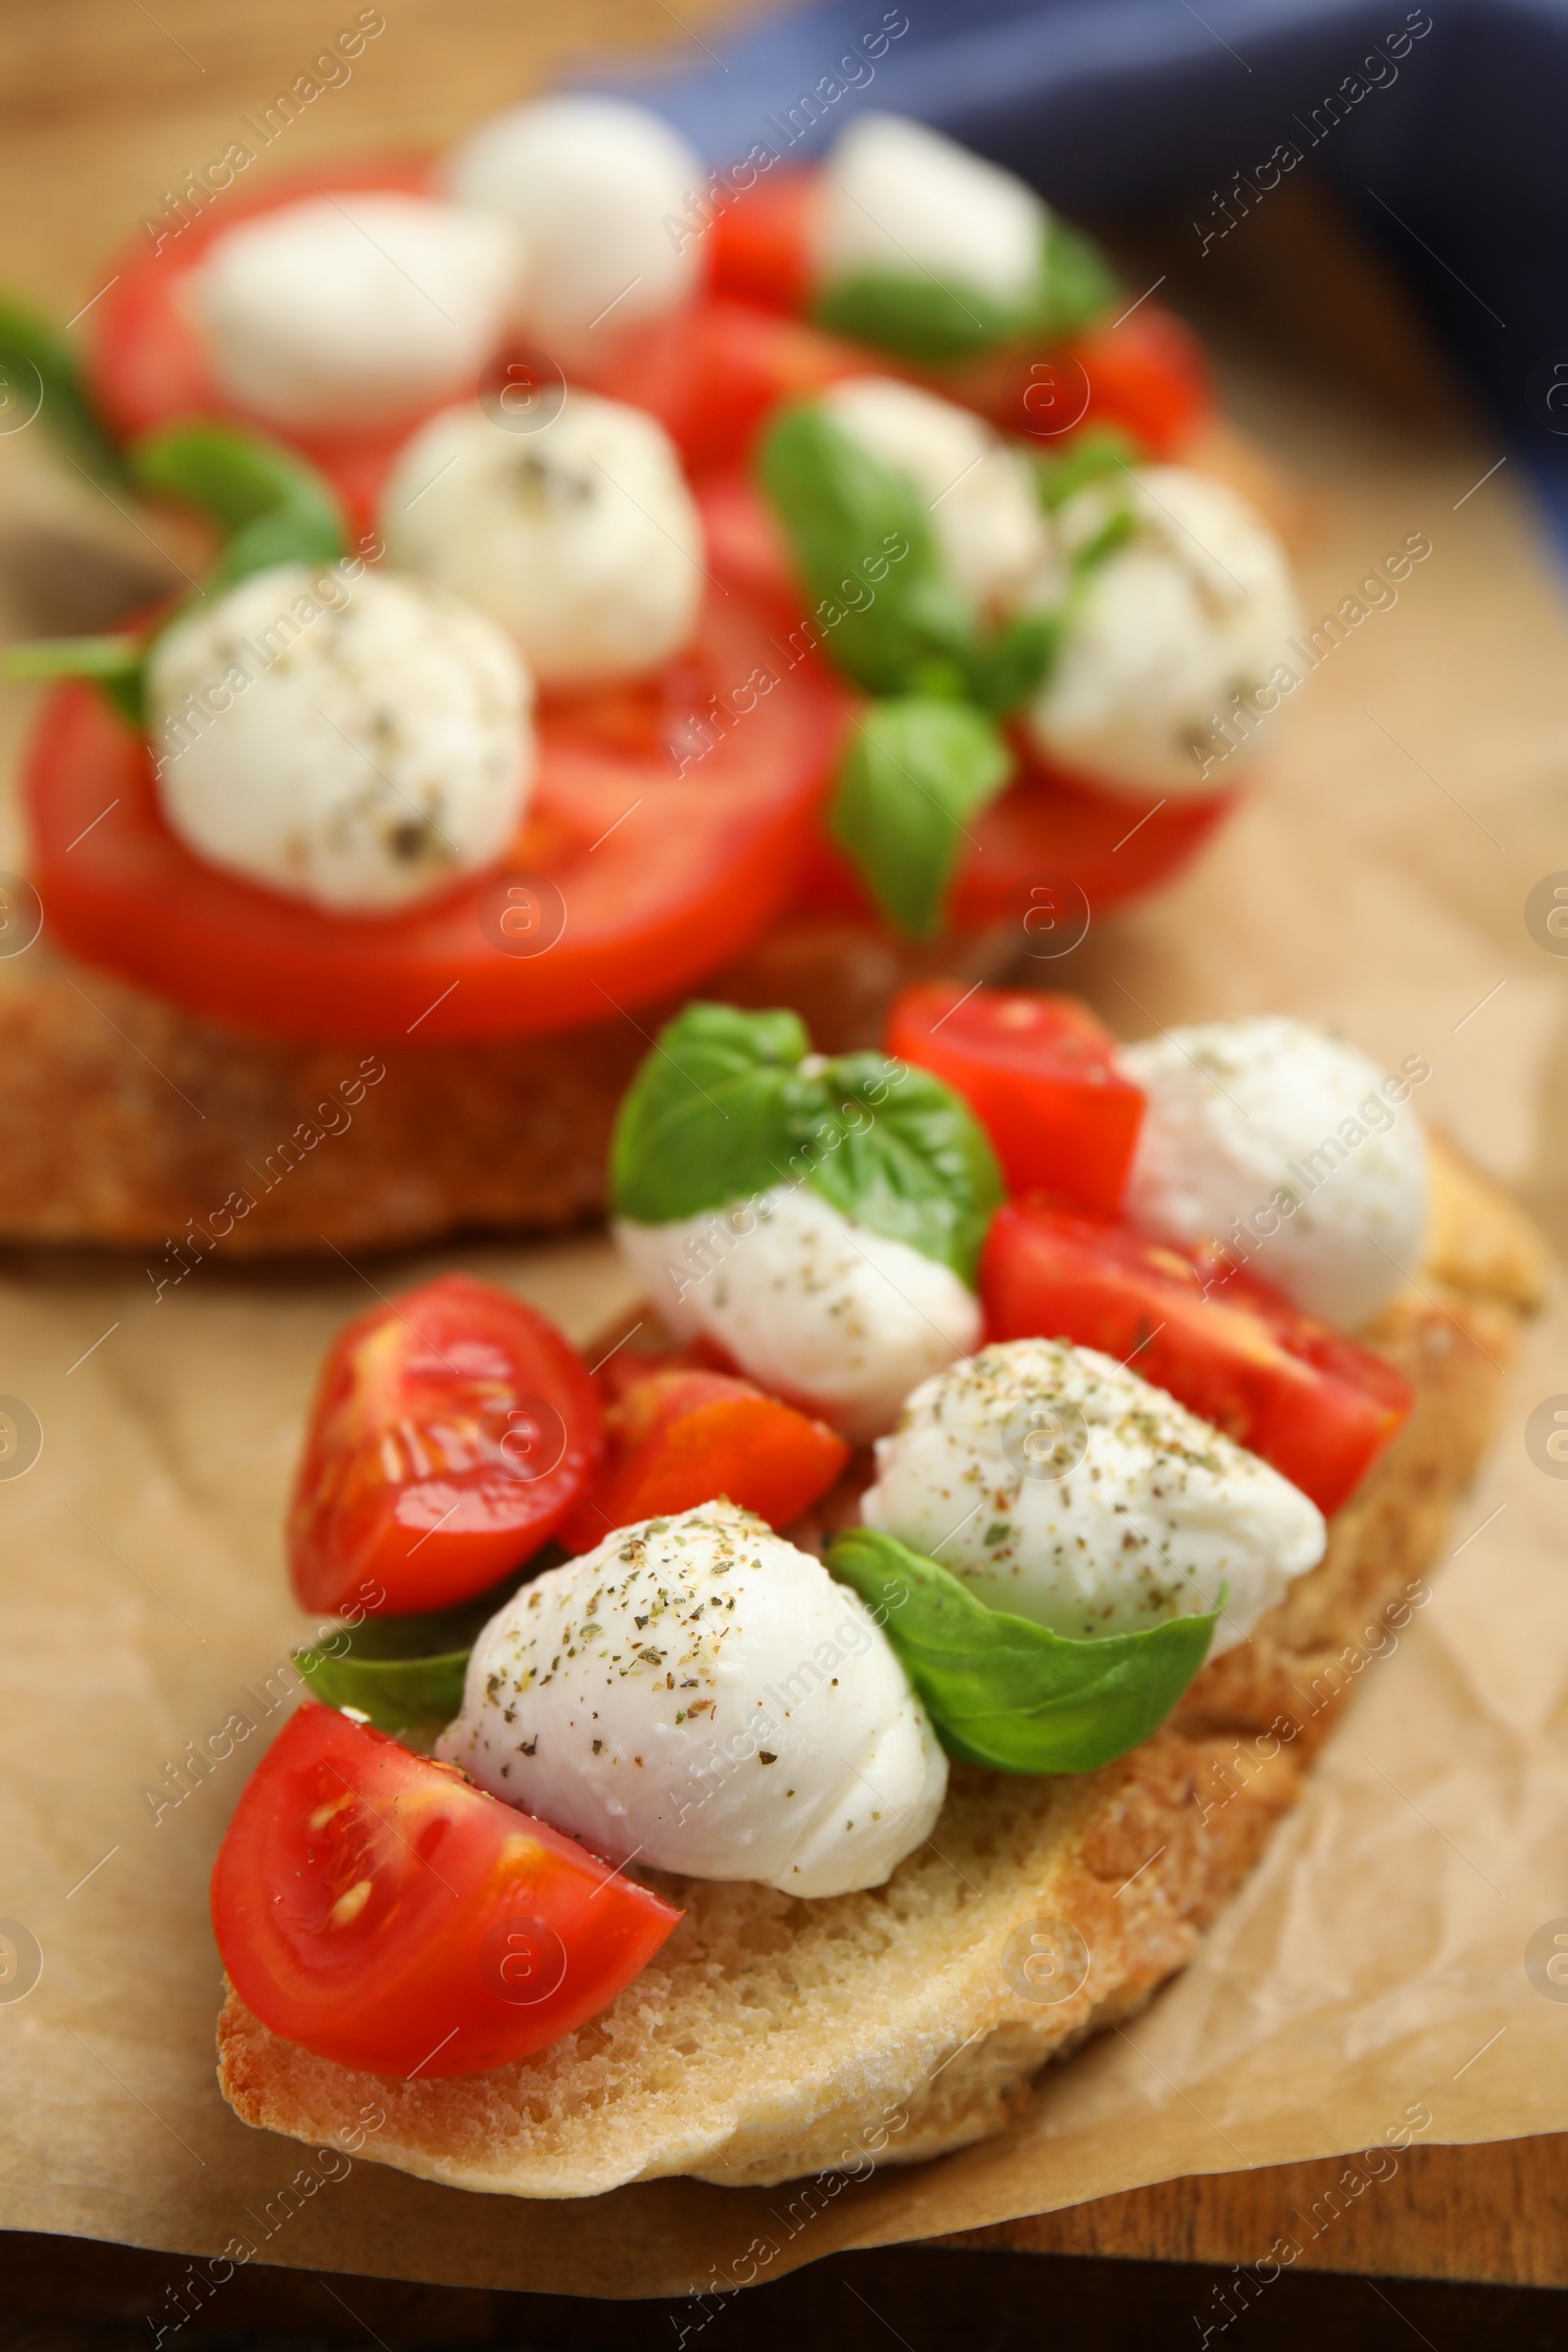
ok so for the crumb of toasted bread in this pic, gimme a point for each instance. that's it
(772, 2037)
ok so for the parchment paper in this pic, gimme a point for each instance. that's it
(1371, 1980)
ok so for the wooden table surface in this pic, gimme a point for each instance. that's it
(103, 106)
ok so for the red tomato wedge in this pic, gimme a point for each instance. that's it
(1229, 1347)
(451, 1431)
(713, 373)
(680, 1437)
(145, 364)
(628, 883)
(1037, 1072)
(761, 241)
(377, 1909)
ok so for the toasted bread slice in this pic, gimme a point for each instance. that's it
(769, 2037)
(133, 1124)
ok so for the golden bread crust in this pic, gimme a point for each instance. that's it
(771, 2038)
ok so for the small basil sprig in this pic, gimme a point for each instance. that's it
(731, 1103)
(37, 365)
(921, 316)
(398, 1695)
(407, 1673)
(1009, 1693)
(914, 771)
(269, 507)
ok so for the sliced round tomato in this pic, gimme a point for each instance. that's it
(763, 241)
(1037, 1074)
(1223, 1343)
(376, 1908)
(145, 363)
(670, 824)
(680, 1437)
(713, 373)
(451, 1431)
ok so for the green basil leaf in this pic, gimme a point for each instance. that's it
(706, 1120)
(865, 549)
(919, 316)
(37, 363)
(397, 1694)
(916, 769)
(1101, 449)
(1077, 283)
(1009, 1693)
(924, 317)
(113, 662)
(727, 1107)
(1009, 665)
(270, 507)
(918, 1169)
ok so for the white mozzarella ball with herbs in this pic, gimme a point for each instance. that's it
(1291, 1148)
(809, 1304)
(980, 495)
(1063, 1488)
(701, 1695)
(602, 191)
(1194, 608)
(359, 744)
(357, 309)
(899, 200)
(581, 540)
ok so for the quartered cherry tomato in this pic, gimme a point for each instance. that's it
(451, 1431)
(1039, 1075)
(1226, 1345)
(377, 1909)
(680, 1437)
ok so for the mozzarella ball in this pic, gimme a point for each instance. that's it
(980, 494)
(354, 309)
(581, 540)
(602, 191)
(1066, 1490)
(361, 744)
(699, 1693)
(899, 200)
(1194, 608)
(811, 1305)
(1289, 1147)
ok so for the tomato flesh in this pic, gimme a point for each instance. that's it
(451, 1431)
(1039, 1075)
(375, 1907)
(763, 241)
(712, 374)
(647, 877)
(1225, 1344)
(679, 1438)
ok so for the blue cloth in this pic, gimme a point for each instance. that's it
(1451, 156)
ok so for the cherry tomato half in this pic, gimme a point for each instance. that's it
(679, 1438)
(630, 881)
(1037, 1072)
(377, 1909)
(451, 1431)
(1226, 1345)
